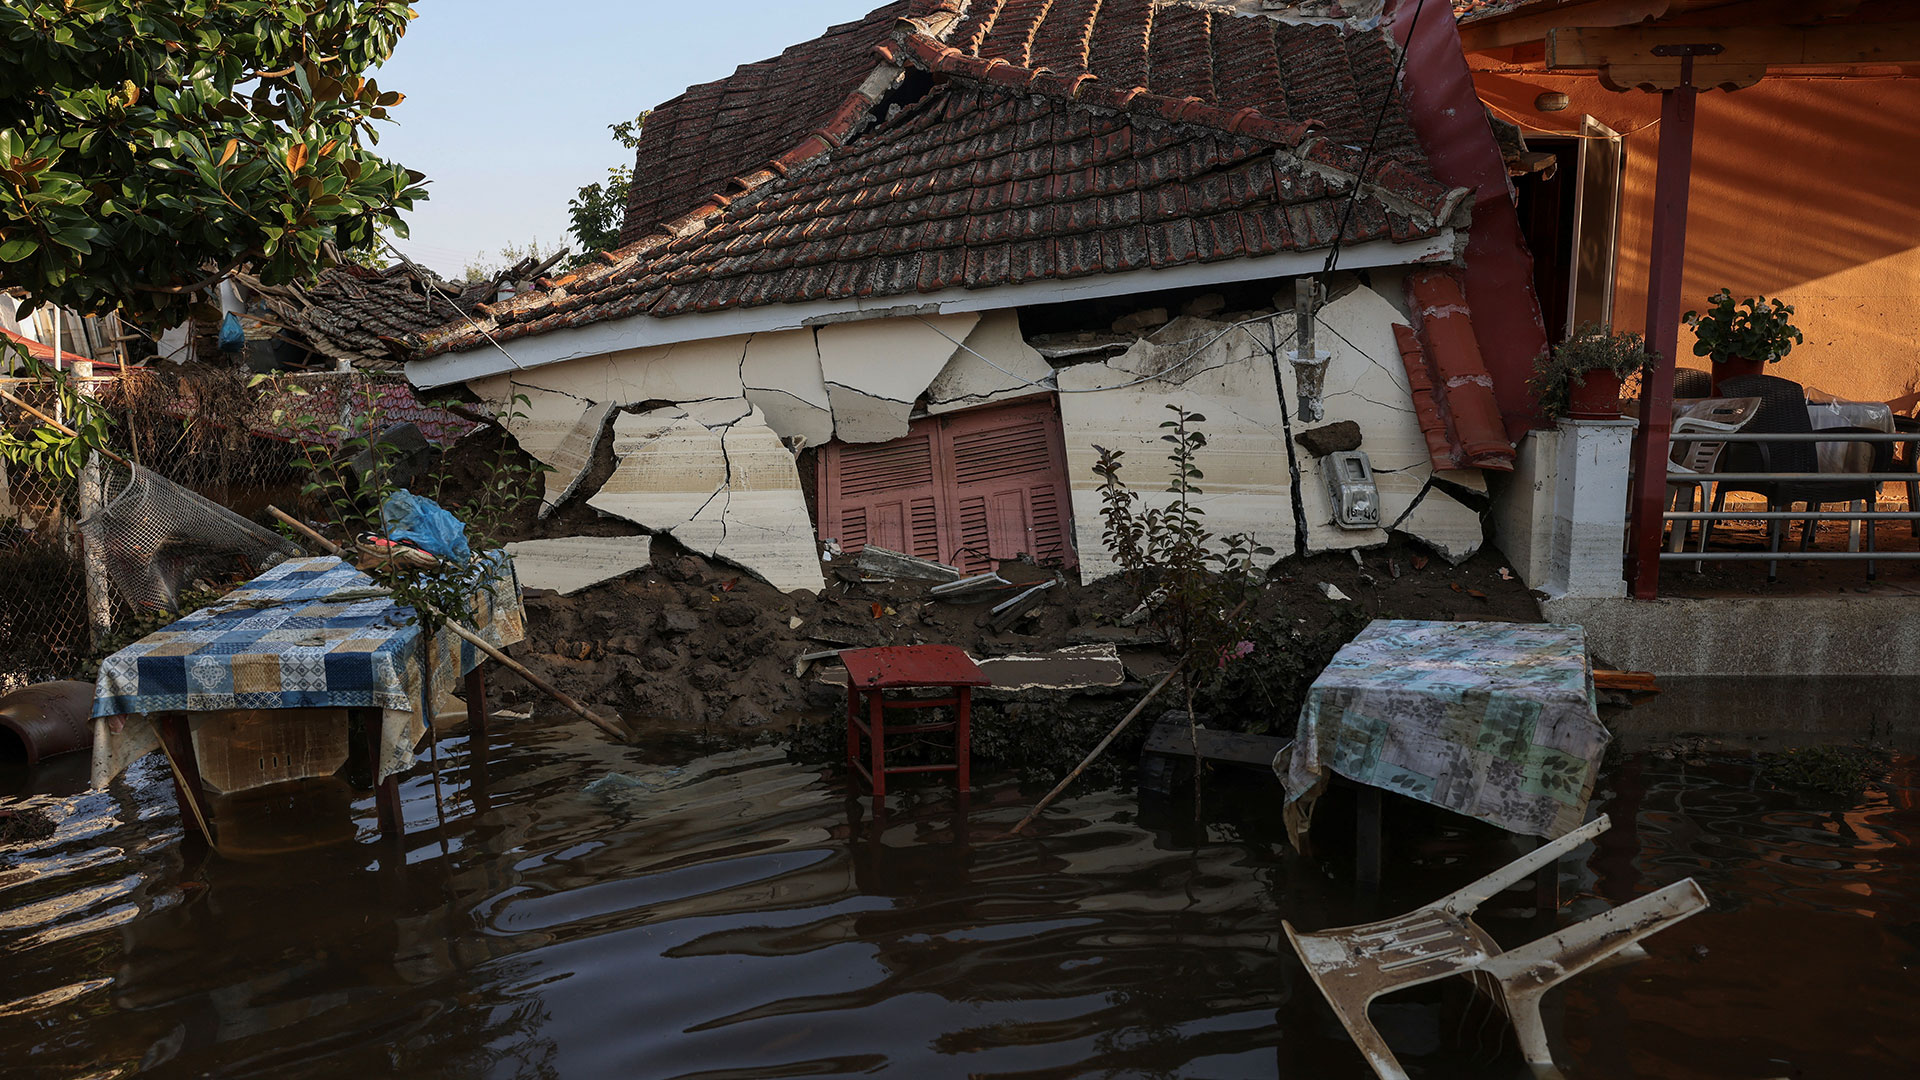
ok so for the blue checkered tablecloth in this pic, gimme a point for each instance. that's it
(305, 634)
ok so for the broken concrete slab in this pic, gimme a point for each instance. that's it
(996, 364)
(876, 370)
(690, 371)
(569, 564)
(718, 412)
(899, 566)
(782, 375)
(560, 432)
(1077, 667)
(1454, 531)
(758, 520)
(670, 468)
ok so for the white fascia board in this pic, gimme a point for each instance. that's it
(644, 331)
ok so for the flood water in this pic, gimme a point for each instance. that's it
(738, 915)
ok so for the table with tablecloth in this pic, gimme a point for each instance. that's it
(1497, 721)
(310, 633)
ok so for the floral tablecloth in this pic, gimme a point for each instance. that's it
(1496, 721)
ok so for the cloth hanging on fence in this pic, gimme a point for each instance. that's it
(156, 538)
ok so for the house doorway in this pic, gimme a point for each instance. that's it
(973, 489)
(1570, 215)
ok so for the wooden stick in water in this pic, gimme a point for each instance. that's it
(476, 640)
(1100, 749)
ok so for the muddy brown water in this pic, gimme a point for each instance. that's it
(739, 915)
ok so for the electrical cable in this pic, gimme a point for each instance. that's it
(426, 278)
(1379, 122)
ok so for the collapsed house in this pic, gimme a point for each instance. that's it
(900, 285)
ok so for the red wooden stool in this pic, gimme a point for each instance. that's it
(873, 672)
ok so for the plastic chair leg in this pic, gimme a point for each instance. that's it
(1872, 527)
(1776, 530)
(1526, 974)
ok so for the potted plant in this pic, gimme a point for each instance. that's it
(1742, 339)
(1581, 378)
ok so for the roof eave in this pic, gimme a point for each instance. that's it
(646, 331)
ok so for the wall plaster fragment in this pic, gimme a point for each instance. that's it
(731, 493)
(782, 375)
(875, 371)
(568, 564)
(969, 381)
(560, 432)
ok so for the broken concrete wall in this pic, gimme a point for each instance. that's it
(1225, 374)
(712, 469)
(729, 491)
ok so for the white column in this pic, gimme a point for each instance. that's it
(1590, 508)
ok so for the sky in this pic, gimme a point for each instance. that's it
(508, 103)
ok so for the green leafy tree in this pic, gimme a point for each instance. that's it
(147, 149)
(600, 209)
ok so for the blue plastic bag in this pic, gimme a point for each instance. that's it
(422, 522)
(233, 336)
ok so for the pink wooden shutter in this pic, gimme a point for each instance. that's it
(882, 493)
(1006, 472)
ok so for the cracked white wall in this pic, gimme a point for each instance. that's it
(559, 431)
(782, 375)
(1227, 376)
(730, 492)
(876, 370)
(996, 364)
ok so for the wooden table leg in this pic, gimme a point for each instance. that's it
(877, 717)
(1368, 838)
(386, 793)
(963, 740)
(188, 789)
(477, 736)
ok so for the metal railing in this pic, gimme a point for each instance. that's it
(1682, 519)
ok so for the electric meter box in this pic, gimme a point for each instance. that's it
(1356, 500)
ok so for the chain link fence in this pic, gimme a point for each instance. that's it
(238, 441)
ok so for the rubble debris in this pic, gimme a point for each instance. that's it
(973, 589)
(1174, 736)
(1332, 438)
(1006, 614)
(895, 565)
(1204, 306)
(1333, 592)
(1076, 667)
(569, 564)
(806, 660)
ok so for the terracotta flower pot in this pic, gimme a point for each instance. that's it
(1733, 367)
(1596, 398)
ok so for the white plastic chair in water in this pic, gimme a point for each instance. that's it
(1356, 964)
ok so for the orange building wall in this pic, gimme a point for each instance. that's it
(1808, 189)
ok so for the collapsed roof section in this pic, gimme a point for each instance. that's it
(997, 174)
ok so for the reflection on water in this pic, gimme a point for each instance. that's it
(736, 915)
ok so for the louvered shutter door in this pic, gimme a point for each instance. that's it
(882, 494)
(1006, 471)
(971, 488)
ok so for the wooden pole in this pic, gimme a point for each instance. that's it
(476, 641)
(1672, 185)
(1100, 749)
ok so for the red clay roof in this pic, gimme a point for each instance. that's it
(1003, 174)
(39, 351)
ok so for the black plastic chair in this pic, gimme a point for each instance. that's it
(1783, 411)
(1691, 383)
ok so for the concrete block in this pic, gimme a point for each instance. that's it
(1590, 508)
(1523, 507)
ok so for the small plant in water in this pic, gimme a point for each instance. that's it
(1197, 588)
(1841, 772)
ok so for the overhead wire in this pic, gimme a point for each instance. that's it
(1366, 156)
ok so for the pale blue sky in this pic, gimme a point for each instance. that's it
(508, 103)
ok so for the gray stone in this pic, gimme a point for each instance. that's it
(659, 659)
(678, 621)
(736, 615)
(1204, 305)
(1141, 321)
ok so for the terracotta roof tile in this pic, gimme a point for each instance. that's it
(1198, 135)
